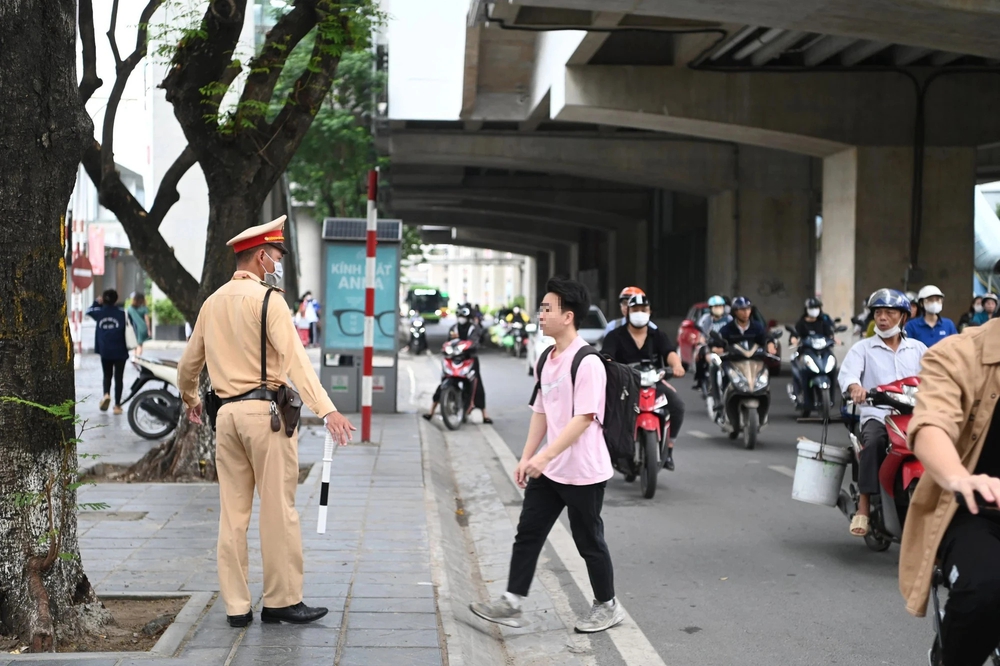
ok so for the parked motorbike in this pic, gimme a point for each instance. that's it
(816, 366)
(652, 429)
(154, 414)
(899, 473)
(740, 394)
(458, 381)
(418, 336)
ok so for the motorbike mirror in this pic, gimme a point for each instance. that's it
(789, 329)
(777, 335)
(771, 323)
(837, 320)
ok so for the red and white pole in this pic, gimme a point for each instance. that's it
(370, 243)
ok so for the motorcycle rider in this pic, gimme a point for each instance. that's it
(637, 342)
(990, 303)
(711, 321)
(466, 329)
(517, 315)
(627, 293)
(812, 322)
(931, 327)
(887, 357)
(743, 330)
(955, 433)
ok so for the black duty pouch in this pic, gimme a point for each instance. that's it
(212, 403)
(290, 406)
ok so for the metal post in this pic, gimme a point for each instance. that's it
(369, 341)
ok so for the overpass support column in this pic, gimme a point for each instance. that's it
(759, 236)
(867, 222)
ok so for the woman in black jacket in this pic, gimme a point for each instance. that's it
(109, 342)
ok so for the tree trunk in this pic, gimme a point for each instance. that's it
(44, 594)
(190, 453)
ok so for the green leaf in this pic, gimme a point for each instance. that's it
(66, 557)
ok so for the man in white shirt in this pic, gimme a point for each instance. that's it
(885, 357)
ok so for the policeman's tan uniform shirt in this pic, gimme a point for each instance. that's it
(227, 337)
(249, 455)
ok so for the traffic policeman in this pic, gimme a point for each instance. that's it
(249, 455)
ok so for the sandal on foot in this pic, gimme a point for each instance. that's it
(487, 421)
(859, 525)
(427, 417)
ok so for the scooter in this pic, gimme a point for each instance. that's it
(816, 365)
(652, 429)
(154, 414)
(743, 405)
(899, 473)
(516, 340)
(458, 381)
(418, 336)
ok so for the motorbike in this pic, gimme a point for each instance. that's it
(652, 430)
(816, 367)
(516, 340)
(458, 381)
(418, 336)
(153, 414)
(741, 404)
(899, 473)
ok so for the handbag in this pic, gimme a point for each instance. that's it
(131, 341)
(288, 401)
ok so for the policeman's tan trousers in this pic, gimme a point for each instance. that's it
(249, 453)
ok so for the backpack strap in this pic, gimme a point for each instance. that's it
(584, 352)
(263, 340)
(538, 373)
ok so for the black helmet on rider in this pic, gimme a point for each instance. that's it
(741, 303)
(464, 311)
(814, 303)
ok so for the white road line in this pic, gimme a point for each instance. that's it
(781, 469)
(699, 434)
(631, 643)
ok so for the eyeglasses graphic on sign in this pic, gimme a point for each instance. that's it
(352, 322)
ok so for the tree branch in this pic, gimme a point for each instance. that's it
(154, 255)
(167, 194)
(123, 70)
(90, 81)
(309, 90)
(266, 68)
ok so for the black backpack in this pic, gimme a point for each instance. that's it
(621, 405)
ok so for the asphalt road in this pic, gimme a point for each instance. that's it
(723, 566)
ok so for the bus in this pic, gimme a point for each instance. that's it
(429, 302)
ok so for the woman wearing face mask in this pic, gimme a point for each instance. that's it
(637, 342)
(975, 308)
(932, 327)
(989, 310)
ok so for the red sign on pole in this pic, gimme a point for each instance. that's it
(81, 273)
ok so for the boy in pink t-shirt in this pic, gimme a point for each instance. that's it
(570, 471)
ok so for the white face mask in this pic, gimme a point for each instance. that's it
(891, 333)
(463, 320)
(977, 308)
(639, 319)
(718, 311)
(812, 312)
(933, 308)
(273, 277)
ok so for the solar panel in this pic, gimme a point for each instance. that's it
(354, 229)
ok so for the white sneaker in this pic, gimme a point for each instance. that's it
(500, 611)
(601, 618)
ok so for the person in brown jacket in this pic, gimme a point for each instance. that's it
(955, 432)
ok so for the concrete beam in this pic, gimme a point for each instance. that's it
(536, 229)
(947, 25)
(816, 114)
(688, 166)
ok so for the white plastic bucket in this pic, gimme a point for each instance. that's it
(818, 479)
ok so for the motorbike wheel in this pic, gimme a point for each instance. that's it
(647, 477)
(148, 424)
(451, 408)
(751, 429)
(824, 405)
(877, 542)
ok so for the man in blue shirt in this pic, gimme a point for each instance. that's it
(930, 328)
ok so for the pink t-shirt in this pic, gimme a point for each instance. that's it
(586, 461)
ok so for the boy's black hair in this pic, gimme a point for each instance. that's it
(573, 296)
(109, 297)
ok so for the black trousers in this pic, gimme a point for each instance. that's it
(544, 500)
(970, 553)
(118, 368)
(675, 406)
(875, 440)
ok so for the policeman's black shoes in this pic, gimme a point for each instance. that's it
(240, 620)
(297, 614)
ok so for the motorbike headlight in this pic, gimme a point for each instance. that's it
(737, 378)
(763, 379)
(831, 363)
(423, 330)
(811, 363)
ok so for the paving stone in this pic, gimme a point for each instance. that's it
(356, 620)
(284, 656)
(392, 638)
(395, 591)
(366, 656)
(388, 605)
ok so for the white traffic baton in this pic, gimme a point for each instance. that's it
(324, 492)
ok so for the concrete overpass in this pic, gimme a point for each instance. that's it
(690, 146)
